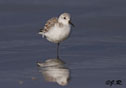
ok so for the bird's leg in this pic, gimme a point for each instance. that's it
(58, 50)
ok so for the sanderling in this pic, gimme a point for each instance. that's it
(57, 29)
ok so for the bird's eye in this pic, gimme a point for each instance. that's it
(64, 17)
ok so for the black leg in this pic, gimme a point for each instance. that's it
(58, 50)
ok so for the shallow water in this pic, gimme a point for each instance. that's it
(95, 52)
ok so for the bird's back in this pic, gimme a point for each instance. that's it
(50, 23)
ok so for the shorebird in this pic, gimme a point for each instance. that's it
(57, 29)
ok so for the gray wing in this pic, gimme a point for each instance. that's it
(51, 22)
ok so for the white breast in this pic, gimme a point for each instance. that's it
(58, 34)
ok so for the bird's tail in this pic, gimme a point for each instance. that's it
(41, 33)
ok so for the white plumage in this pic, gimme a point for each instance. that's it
(58, 29)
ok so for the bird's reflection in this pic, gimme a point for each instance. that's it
(54, 70)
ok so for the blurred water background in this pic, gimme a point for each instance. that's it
(95, 52)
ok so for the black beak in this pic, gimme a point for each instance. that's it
(71, 23)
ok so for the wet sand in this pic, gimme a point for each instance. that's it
(94, 53)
